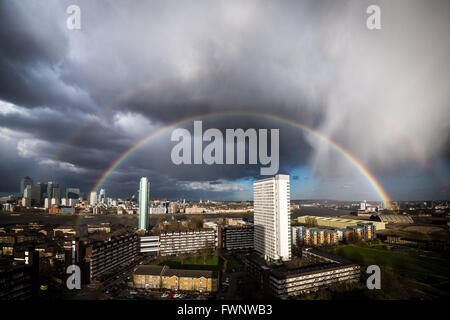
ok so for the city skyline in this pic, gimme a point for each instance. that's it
(96, 195)
(224, 158)
(94, 109)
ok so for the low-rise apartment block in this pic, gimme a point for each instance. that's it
(163, 277)
(281, 282)
(304, 236)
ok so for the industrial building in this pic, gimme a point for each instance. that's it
(338, 223)
(392, 218)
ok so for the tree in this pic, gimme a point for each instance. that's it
(311, 222)
(182, 257)
(352, 238)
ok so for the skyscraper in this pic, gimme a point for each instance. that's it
(72, 193)
(144, 196)
(26, 200)
(56, 192)
(43, 191)
(102, 196)
(272, 218)
(93, 198)
(27, 181)
(53, 190)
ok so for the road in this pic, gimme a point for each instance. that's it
(232, 290)
(122, 276)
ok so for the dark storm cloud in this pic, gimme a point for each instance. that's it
(33, 48)
(136, 66)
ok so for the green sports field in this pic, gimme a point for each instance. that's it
(430, 275)
(210, 262)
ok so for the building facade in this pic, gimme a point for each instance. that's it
(173, 243)
(237, 237)
(303, 236)
(93, 198)
(16, 282)
(149, 245)
(99, 257)
(272, 219)
(144, 196)
(73, 193)
(19, 280)
(163, 277)
(329, 270)
(27, 181)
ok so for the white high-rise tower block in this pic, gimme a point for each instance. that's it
(272, 218)
(144, 196)
(93, 198)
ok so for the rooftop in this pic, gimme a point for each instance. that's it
(283, 271)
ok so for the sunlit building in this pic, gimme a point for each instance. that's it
(163, 277)
(93, 198)
(272, 218)
(144, 196)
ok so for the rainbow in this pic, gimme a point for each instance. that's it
(355, 162)
(417, 149)
(78, 221)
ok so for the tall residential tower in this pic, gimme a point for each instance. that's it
(144, 196)
(272, 218)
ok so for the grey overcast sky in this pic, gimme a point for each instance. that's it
(73, 101)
